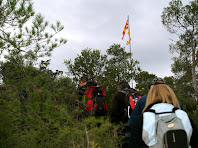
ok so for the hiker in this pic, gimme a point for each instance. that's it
(96, 99)
(161, 103)
(142, 101)
(24, 99)
(138, 95)
(24, 95)
(119, 111)
(92, 98)
(82, 87)
(118, 104)
(80, 94)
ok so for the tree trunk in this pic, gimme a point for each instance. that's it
(194, 81)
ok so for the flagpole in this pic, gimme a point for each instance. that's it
(130, 44)
(130, 37)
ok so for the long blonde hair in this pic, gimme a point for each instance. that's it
(161, 93)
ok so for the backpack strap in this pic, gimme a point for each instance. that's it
(124, 92)
(153, 111)
(91, 83)
(98, 91)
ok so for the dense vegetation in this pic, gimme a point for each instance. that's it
(49, 116)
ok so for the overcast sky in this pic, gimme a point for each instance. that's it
(98, 24)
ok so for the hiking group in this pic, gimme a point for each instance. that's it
(156, 120)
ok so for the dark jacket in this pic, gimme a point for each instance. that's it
(81, 92)
(139, 108)
(136, 141)
(117, 108)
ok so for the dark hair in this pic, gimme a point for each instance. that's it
(83, 79)
(157, 81)
(123, 84)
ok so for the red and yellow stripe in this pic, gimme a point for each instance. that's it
(125, 28)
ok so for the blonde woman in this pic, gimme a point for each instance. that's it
(142, 102)
(160, 99)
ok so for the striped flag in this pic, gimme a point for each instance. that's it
(129, 38)
(126, 27)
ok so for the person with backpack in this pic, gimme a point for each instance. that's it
(118, 104)
(121, 108)
(96, 100)
(91, 100)
(142, 101)
(163, 123)
(82, 88)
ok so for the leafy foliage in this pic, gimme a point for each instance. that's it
(49, 117)
(89, 63)
(23, 33)
(104, 69)
(119, 67)
(182, 21)
(144, 80)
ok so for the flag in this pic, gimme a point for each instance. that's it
(126, 27)
(129, 38)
